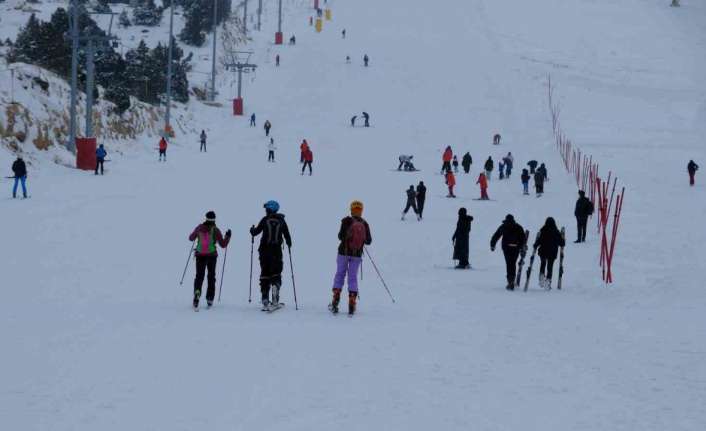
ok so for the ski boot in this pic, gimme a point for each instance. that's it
(209, 304)
(548, 283)
(265, 304)
(275, 294)
(333, 307)
(197, 295)
(351, 302)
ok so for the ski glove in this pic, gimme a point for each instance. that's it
(492, 248)
(252, 230)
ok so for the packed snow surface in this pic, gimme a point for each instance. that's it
(97, 334)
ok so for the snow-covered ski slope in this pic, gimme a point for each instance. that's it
(98, 335)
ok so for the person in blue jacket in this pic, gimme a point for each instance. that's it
(100, 158)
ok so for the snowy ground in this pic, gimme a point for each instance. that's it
(99, 335)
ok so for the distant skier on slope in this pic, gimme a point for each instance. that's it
(548, 242)
(450, 182)
(483, 183)
(446, 159)
(525, 181)
(489, 165)
(582, 210)
(274, 232)
(252, 120)
(539, 183)
(466, 162)
(354, 235)
(692, 167)
(496, 139)
(19, 169)
(101, 154)
(509, 162)
(366, 59)
(271, 150)
(543, 170)
(366, 119)
(513, 241)
(267, 126)
(353, 118)
(455, 164)
(202, 139)
(421, 198)
(303, 147)
(501, 170)
(162, 149)
(308, 160)
(532, 165)
(406, 163)
(460, 239)
(207, 236)
(411, 202)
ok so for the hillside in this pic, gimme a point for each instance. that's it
(99, 333)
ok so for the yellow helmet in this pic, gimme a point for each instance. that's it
(357, 208)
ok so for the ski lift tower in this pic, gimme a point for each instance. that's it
(239, 62)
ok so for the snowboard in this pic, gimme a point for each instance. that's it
(529, 267)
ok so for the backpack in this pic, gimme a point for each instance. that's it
(273, 231)
(590, 208)
(356, 236)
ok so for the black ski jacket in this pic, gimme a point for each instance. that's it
(538, 178)
(274, 231)
(512, 233)
(19, 168)
(692, 167)
(467, 160)
(489, 164)
(411, 196)
(584, 208)
(548, 242)
(460, 237)
(421, 192)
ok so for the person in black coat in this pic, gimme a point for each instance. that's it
(584, 208)
(532, 165)
(539, 182)
(411, 202)
(547, 245)
(692, 168)
(466, 162)
(543, 170)
(19, 168)
(421, 197)
(460, 239)
(274, 232)
(489, 164)
(513, 241)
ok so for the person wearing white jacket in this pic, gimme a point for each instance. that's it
(271, 150)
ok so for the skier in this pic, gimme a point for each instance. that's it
(496, 139)
(308, 160)
(353, 118)
(303, 147)
(483, 182)
(162, 149)
(460, 239)
(583, 209)
(455, 164)
(274, 232)
(513, 242)
(271, 150)
(692, 168)
(292, 40)
(252, 120)
(411, 202)
(354, 234)
(343, 33)
(446, 160)
(406, 163)
(19, 168)
(365, 60)
(547, 245)
(501, 170)
(525, 182)
(208, 236)
(366, 118)
(543, 170)
(466, 162)
(100, 158)
(277, 60)
(532, 165)
(421, 197)
(509, 161)
(489, 164)
(451, 182)
(539, 182)
(348, 59)
(267, 127)
(203, 141)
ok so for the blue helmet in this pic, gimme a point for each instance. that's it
(272, 206)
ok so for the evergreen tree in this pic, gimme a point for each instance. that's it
(146, 13)
(26, 48)
(124, 19)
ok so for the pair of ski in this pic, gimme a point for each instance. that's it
(271, 308)
(523, 253)
(335, 311)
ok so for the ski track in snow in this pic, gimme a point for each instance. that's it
(98, 334)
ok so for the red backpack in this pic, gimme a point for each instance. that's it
(356, 236)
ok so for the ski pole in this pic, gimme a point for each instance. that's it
(188, 259)
(252, 242)
(223, 270)
(294, 286)
(379, 275)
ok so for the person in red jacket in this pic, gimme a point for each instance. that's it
(308, 159)
(446, 158)
(207, 236)
(302, 148)
(162, 149)
(451, 182)
(483, 182)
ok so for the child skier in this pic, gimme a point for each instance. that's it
(252, 120)
(483, 182)
(455, 164)
(525, 181)
(451, 182)
(460, 239)
(207, 235)
(354, 234)
(411, 202)
(274, 232)
(162, 149)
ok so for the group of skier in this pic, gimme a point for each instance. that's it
(415, 200)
